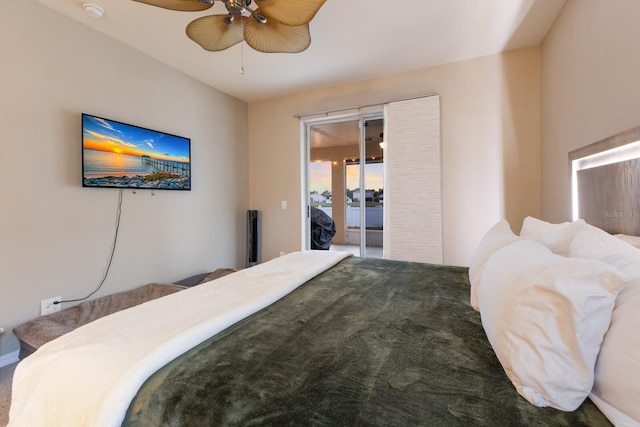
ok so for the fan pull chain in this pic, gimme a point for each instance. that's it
(242, 58)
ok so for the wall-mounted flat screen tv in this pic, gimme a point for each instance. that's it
(119, 155)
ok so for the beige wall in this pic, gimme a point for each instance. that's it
(55, 236)
(490, 136)
(590, 88)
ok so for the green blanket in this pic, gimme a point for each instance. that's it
(368, 342)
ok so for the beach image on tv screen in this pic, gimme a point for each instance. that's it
(119, 155)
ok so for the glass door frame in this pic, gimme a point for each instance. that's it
(305, 136)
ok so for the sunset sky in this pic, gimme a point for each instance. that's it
(107, 135)
(320, 176)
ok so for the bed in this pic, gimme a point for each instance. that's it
(363, 342)
(540, 329)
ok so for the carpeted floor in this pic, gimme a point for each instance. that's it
(6, 376)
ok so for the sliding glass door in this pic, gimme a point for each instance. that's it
(384, 195)
(345, 183)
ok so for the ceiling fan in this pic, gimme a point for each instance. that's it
(275, 26)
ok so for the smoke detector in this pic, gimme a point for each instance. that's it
(93, 10)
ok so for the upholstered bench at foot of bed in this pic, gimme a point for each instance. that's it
(205, 277)
(36, 332)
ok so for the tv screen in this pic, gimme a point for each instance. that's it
(118, 155)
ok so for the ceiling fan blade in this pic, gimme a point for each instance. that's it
(275, 37)
(213, 33)
(180, 5)
(290, 12)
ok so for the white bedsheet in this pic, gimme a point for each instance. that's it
(613, 414)
(89, 376)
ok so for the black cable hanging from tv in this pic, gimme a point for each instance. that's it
(113, 250)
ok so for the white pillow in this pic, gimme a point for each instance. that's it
(495, 238)
(545, 316)
(617, 373)
(556, 237)
(593, 243)
(632, 240)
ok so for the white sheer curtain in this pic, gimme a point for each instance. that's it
(413, 181)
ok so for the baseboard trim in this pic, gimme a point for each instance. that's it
(9, 358)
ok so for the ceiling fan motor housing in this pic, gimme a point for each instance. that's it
(236, 7)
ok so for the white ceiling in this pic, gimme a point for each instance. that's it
(351, 40)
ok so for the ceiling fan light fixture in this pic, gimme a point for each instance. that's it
(281, 26)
